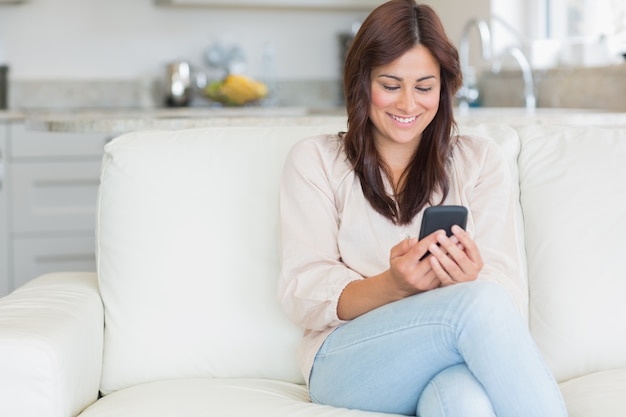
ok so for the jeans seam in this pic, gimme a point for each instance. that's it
(440, 398)
(380, 335)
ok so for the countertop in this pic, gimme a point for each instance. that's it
(119, 121)
(116, 121)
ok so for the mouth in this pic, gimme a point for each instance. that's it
(403, 120)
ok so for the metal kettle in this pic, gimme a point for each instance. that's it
(178, 84)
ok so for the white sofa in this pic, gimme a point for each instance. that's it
(182, 318)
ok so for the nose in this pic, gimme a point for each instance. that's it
(407, 101)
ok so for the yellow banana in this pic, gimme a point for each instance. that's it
(240, 89)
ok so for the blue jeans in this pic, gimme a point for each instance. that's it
(462, 350)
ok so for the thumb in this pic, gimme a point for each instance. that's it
(403, 247)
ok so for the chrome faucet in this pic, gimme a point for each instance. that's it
(529, 84)
(468, 93)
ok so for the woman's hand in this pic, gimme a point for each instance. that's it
(456, 259)
(409, 273)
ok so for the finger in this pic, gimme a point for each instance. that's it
(442, 276)
(421, 250)
(457, 243)
(464, 258)
(451, 248)
(403, 247)
(465, 255)
(468, 243)
(446, 262)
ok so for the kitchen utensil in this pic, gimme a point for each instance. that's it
(178, 90)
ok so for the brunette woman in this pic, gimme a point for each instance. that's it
(387, 329)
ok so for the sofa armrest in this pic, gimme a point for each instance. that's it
(51, 340)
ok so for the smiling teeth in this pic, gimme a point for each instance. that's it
(404, 119)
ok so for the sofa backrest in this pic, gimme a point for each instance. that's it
(187, 253)
(573, 181)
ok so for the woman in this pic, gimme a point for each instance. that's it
(386, 330)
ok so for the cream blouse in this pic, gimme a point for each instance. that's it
(331, 235)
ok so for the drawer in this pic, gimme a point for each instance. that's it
(54, 196)
(26, 143)
(35, 256)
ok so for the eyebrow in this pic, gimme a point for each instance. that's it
(427, 77)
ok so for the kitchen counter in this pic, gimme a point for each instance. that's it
(11, 115)
(120, 121)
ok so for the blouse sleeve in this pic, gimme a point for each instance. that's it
(494, 207)
(312, 273)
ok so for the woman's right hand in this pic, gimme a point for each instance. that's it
(408, 273)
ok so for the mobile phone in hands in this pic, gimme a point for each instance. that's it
(442, 218)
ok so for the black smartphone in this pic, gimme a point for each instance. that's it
(442, 217)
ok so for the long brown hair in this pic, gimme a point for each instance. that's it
(386, 34)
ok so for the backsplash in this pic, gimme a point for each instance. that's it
(119, 94)
(601, 88)
(585, 88)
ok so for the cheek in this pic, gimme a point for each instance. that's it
(380, 98)
(431, 101)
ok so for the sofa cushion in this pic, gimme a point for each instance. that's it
(193, 397)
(508, 140)
(596, 395)
(187, 255)
(572, 192)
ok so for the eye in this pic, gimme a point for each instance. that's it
(390, 87)
(423, 89)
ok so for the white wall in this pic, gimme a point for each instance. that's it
(131, 38)
(127, 39)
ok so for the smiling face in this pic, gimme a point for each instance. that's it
(404, 99)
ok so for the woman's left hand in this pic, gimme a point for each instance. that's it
(456, 259)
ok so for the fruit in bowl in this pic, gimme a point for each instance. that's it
(236, 90)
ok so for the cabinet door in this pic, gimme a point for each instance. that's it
(35, 256)
(51, 201)
(54, 196)
(4, 232)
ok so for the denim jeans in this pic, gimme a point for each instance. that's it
(462, 350)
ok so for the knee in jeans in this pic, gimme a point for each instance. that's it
(454, 393)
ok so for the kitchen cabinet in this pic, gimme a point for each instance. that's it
(51, 190)
(359, 5)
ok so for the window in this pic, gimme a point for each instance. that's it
(583, 18)
(564, 32)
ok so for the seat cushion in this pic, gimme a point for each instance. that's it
(197, 397)
(572, 193)
(597, 395)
